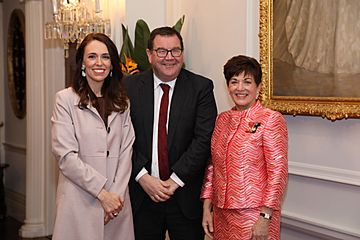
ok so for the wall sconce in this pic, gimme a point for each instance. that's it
(73, 21)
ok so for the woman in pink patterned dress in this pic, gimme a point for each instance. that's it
(248, 172)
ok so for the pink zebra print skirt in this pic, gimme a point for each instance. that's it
(236, 224)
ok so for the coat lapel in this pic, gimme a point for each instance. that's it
(177, 105)
(112, 117)
(93, 110)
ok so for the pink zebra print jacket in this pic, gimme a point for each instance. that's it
(249, 165)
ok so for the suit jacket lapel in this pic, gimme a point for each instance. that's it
(177, 105)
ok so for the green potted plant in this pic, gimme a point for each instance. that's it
(133, 57)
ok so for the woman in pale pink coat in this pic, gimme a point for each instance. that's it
(247, 175)
(92, 137)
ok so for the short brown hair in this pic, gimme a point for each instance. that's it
(241, 63)
(163, 31)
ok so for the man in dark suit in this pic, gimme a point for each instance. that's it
(169, 201)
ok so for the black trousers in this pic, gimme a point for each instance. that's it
(153, 219)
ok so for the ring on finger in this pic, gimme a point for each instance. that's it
(115, 214)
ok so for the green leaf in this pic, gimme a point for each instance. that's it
(178, 25)
(142, 34)
(127, 47)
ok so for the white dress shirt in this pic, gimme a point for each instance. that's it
(158, 92)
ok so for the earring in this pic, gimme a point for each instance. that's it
(110, 73)
(83, 70)
(111, 68)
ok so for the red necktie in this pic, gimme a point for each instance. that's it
(162, 134)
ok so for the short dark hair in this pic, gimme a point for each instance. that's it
(241, 63)
(163, 31)
(112, 89)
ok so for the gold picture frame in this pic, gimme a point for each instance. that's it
(330, 107)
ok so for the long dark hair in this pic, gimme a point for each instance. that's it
(112, 89)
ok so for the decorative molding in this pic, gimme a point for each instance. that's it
(11, 147)
(325, 173)
(317, 227)
(35, 224)
(15, 204)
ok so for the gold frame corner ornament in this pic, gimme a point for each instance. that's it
(332, 108)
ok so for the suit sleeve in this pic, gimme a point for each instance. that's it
(65, 148)
(193, 161)
(275, 142)
(139, 162)
(138, 159)
(124, 165)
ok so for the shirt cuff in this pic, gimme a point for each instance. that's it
(141, 173)
(177, 179)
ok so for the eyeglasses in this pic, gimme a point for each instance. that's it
(162, 52)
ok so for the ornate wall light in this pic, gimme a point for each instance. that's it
(73, 20)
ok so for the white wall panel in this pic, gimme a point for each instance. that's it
(215, 31)
(328, 206)
(318, 141)
(153, 12)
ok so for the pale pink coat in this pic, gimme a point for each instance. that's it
(90, 157)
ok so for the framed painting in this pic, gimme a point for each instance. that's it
(310, 59)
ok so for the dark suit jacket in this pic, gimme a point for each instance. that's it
(191, 122)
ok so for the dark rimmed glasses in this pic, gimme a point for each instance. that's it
(162, 52)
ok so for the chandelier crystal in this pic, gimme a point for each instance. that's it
(73, 21)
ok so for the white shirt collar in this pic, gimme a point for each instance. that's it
(157, 82)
